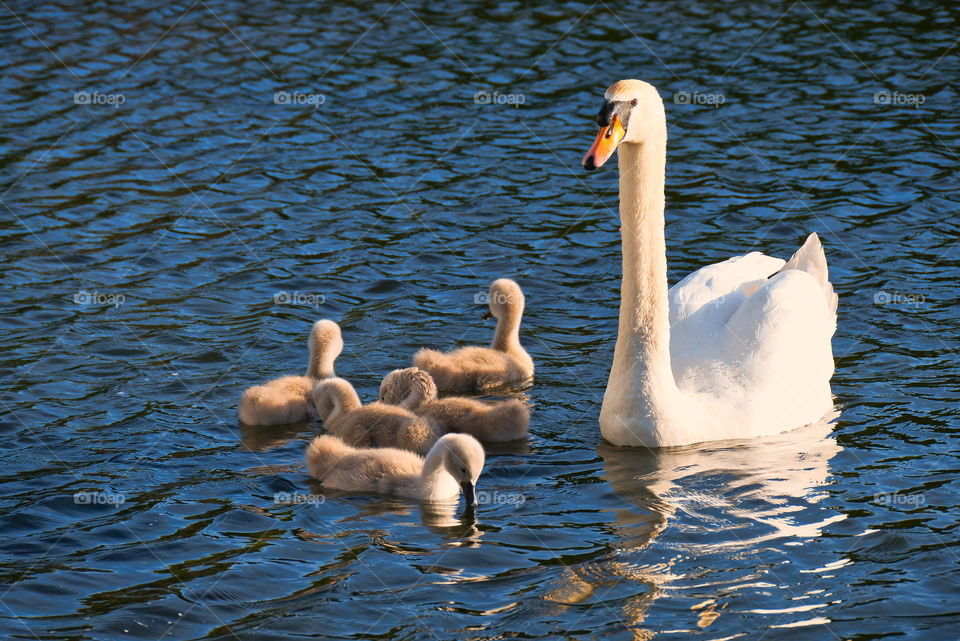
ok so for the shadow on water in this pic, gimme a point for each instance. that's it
(260, 438)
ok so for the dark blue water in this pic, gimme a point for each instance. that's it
(149, 224)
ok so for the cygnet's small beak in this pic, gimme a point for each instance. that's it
(469, 493)
(487, 315)
(604, 145)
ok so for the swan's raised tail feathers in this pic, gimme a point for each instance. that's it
(811, 259)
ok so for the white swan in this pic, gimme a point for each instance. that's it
(287, 399)
(479, 368)
(453, 464)
(738, 349)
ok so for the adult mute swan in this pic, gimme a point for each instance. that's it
(738, 349)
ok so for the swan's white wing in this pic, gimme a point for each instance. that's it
(736, 330)
(765, 344)
(710, 283)
(779, 348)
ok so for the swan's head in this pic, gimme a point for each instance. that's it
(333, 395)
(632, 111)
(463, 458)
(505, 299)
(326, 340)
(407, 387)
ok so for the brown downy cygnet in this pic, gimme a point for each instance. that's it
(415, 390)
(373, 425)
(287, 399)
(454, 463)
(478, 368)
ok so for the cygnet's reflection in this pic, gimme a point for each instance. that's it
(447, 518)
(260, 438)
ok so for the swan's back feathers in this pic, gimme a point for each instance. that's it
(712, 282)
(382, 425)
(811, 259)
(504, 421)
(282, 400)
(384, 471)
(473, 368)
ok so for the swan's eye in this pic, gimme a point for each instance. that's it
(633, 103)
(463, 469)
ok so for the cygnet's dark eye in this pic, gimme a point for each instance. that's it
(463, 469)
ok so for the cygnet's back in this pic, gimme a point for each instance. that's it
(478, 368)
(287, 399)
(341, 466)
(414, 388)
(453, 464)
(373, 425)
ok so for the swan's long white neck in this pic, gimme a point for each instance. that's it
(641, 380)
(644, 308)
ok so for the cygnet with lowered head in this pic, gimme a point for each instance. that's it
(373, 425)
(287, 399)
(478, 368)
(415, 390)
(453, 464)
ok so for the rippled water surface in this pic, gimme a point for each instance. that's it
(170, 231)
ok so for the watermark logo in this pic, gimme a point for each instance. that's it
(98, 98)
(299, 99)
(484, 97)
(500, 498)
(484, 298)
(98, 498)
(299, 298)
(896, 498)
(297, 498)
(84, 297)
(696, 98)
(899, 298)
(896, 99)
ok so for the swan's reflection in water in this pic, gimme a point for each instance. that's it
(725, 498)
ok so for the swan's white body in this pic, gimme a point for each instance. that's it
(738, 349)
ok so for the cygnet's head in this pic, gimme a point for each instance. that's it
(326, 343)
(505, 299)
(463, 458)
(332, 395)
(632, 111)
(407, 387)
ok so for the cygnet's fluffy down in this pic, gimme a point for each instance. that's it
(373, 425)
(414, 389)
(453, 464)
(478, 368)
(287, 399)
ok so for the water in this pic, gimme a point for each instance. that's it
(147, 229)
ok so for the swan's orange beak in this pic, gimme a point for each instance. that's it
(606, 143)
